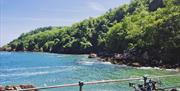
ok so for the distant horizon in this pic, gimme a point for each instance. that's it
(20, 16)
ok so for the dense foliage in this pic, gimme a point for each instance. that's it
(147, 25)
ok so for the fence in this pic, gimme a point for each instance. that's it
(81, 84)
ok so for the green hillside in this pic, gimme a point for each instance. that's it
(143, 27)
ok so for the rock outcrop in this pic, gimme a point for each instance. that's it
(17, 87)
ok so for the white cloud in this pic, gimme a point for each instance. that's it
(96, 6)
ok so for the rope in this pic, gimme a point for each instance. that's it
(92, 82)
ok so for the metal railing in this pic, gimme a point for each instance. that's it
(81, 84)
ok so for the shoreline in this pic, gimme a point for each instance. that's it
(113, 61)
(144, 67)
(122, 59)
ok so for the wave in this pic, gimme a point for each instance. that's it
(5, 53)
(157, 68)
(86, 62)
(148, 68)
(105, 63)
(38, 73)
(32, 68)
(176, 70)
(92, 62)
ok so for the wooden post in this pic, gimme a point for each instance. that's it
(80, 85)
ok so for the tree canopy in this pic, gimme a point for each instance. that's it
(146, 24)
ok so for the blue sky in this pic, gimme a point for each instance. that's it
(21, 16)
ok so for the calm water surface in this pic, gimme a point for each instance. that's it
(45, 69)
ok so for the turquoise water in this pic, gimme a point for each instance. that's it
(46, 69)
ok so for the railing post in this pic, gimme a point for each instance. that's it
(145, 80)
(80, 85)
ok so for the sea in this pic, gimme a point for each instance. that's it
(49, 69)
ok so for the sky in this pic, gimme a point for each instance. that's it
(22, 16)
